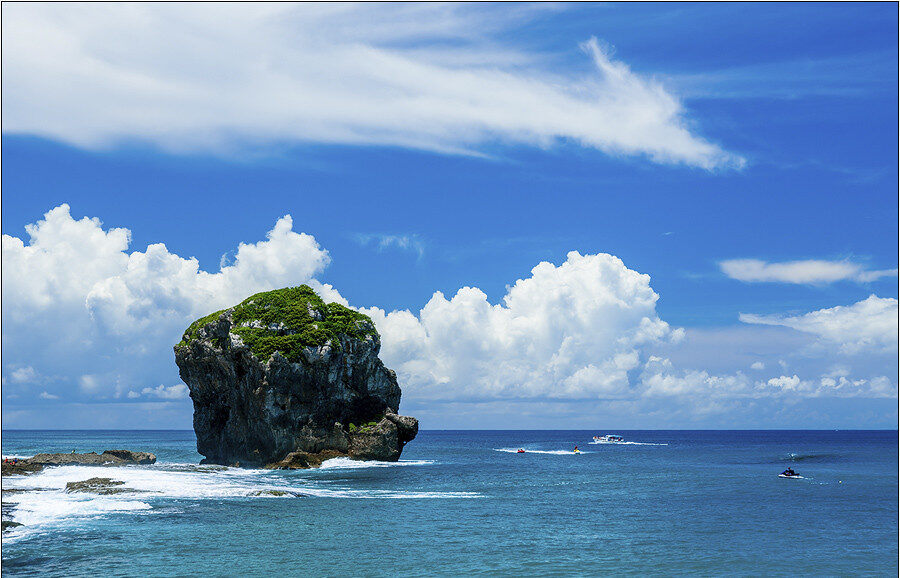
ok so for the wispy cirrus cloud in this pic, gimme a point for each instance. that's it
(409, 242)
(848, 76)
(219, 77)
(811, 271)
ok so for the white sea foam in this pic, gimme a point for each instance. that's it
(626, 444)
(550, 452)
(46, 502)
(347, 463)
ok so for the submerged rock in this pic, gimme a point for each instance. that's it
(283, 378)
(277, 493)
(102, 486)
(7, 524)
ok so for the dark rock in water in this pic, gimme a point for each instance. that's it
(7, 524)
(102, 486)
(107, 458)
(277, 493)
(304, 460)
(385, 439)
(130, 457)
(89, 459)
(284, 373)
(19, 468)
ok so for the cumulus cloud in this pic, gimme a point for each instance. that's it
(867, 326)
(202, 77)
(569, 331)
(177, 391)
(661, 378)
(25, 374)
(88, 319)
(801, 272)
(78, 304)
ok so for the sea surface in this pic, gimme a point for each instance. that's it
(464, 503)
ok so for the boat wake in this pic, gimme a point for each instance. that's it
(549, 452)
(625, 444)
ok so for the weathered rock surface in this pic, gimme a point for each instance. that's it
(102, 486)
(284, 380)
(19, 468)
(130, 457)
(7, 524)
(107, 458)
(277, 493)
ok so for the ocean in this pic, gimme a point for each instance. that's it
(464, 503)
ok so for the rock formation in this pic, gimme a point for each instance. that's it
(107, 458)
(285, 380)
(101, 486)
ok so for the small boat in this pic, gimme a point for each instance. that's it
(608, 439)
(520, 451)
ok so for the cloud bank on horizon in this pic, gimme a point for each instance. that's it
(88, 322)
(431, 77)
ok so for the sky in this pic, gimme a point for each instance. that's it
(601, 216)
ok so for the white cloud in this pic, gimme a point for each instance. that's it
(177, 391)
(411, 242)
(25, 374)
(800, 272)
(203, 77)
(90, 384)
(571, 331)
(77, 303)
(867, 326)
(89, 320)
(46, 395)
(660, 378)
(785, 383)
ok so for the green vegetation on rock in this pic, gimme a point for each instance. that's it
(191, 332)
(298, 317)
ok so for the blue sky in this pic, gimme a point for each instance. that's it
(782, 149)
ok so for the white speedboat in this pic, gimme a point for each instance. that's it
(608, 439)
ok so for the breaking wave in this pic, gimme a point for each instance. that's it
(40, 500)
(350, 464)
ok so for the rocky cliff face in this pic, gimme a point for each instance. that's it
(284, 380)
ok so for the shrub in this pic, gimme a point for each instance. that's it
(308, 320)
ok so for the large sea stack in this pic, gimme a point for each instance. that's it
(285, 380)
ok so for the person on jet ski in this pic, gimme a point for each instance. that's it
(789, 472)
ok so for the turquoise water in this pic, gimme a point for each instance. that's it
(464, 503)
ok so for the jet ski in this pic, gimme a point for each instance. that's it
(789, 473)
(576, 451)
(521, 451)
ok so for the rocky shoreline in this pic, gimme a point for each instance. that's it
(13, 467)
(102, 486)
